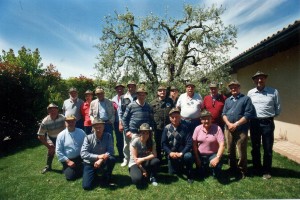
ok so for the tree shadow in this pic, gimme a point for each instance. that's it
(13, 146)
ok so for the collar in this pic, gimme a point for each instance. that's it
(237, 97)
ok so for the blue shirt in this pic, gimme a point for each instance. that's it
(92, 147)
(103, 111)
(266, 102)
(236, 108)
(68, 144)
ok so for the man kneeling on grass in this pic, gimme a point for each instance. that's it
(68, 146)
(96, 152)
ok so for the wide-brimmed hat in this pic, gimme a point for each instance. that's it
(234, 82)
(205, 113)
(213, 85)
(189, 83)
(52, 105)
(174, 110)
(72, 89)
(259, 73)
(88, 92)
(97, 121)
(173, 88)
(141, 90)
(99, 91)
(119, 85)
(145, 127)
(161, 87)
(70, 117)
(131, 83)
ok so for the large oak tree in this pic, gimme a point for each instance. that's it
(155, 49)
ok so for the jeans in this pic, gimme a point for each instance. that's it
(262, 130)
(237, 140)
(177, 165)
(119, 139)
(72, 173)
(90, 173)
(205, 165)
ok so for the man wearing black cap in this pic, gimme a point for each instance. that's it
(237, 111)
(267, 106)
(50, 127)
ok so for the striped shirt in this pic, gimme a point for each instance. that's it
(52, 127)
(135, 115)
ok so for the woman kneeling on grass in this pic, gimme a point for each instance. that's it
(208, 146)
(143, 163)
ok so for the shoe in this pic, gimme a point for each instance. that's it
(124, 163)
(153, 181)
(267, 176)
(46, 169)
(190, 181)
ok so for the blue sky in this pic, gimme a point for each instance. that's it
(65, 31)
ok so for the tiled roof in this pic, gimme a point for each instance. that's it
(280, 41)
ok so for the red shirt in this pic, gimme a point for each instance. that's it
(215, 107)
(85, 108)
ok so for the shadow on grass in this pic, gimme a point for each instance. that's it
(13, 146)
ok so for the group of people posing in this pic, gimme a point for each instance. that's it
(183, 129)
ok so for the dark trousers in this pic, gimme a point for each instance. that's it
(205, 165)
(136, 174)
(157, 138)
(108, 127)
(79, 124)
(176, 166)
(72, 173)
(88, 129)
(90, 173)
(119, 139)
(191, 124)
(262, 130)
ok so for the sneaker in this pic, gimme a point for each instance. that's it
(124, 163)
(46, 169)
(267, 176)
(153, 181)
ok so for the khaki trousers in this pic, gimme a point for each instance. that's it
(237, 140)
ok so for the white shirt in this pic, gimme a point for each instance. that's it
(190, 107)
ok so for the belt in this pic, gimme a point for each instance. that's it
(265, 119)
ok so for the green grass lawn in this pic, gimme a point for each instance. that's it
(20, 177)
